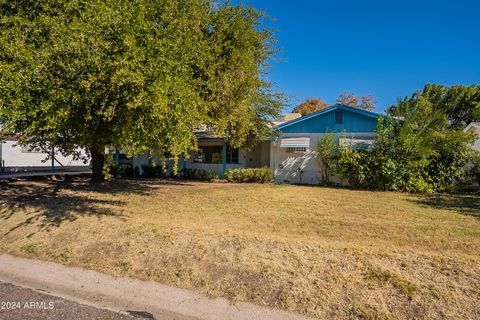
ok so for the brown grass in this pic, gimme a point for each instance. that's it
(323, 252)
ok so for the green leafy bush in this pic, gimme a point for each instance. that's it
(198, 174)
(326, 148)
(122, 170)
(251, 175)
(473, 171)
(150, 171)
(418, 154)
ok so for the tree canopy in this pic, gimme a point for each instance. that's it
(133, 74)
(461, 104)
(364, 102)
(310, 105)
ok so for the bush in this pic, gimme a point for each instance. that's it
(473, 171)
(198, 174)
(122, 170)
(414, 155)
(153, 171)
(251, 175)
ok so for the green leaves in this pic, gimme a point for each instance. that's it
(460, 104)
(417, 154)
(139, 75)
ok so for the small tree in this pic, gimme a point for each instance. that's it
(326, 148)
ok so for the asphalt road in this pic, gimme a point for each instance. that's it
(24, 304)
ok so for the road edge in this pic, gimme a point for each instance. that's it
(124, 294)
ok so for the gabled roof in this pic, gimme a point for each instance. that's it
(326, 110)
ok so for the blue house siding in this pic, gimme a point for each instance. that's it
(324, 120)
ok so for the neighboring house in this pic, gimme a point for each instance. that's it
(475, 128)
(291, 153)
(16, 158)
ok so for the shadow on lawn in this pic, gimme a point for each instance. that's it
(56, 202)
(464, 204)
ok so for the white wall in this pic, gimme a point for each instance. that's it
(16, 158)
(302, 168)
(476, 145)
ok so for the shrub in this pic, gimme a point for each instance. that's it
(414, 155)
(198, 174)
(122, 170)
(251, 175)
(150, 171)
(326, 148)
(473, 171)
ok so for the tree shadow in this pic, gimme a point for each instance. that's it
(49, 204)
(468, 205)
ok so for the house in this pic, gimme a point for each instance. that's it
(475, 128)
(215, 154)
(16, 158)
(291, 154)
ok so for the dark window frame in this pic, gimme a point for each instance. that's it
(338, 117)
(214, 155)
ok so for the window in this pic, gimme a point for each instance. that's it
(208, 154)
(213, 155)
(297, 150)
(357, 144)
(232, 155)
(338, 117)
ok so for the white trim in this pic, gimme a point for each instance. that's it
(295, 142)
(471, 125)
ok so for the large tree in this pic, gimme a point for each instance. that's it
(309, 106)
(461, 104)
(133, 74)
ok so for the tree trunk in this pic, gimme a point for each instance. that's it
(98, 160)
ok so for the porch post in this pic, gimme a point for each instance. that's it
(52, 169)
(117, 157)
(224, 159)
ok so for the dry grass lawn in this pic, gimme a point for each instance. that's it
(329, 253)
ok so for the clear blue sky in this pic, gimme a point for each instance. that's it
(384, 48)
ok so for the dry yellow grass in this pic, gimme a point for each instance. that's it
(330, 253)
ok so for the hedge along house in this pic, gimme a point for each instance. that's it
(293, 156)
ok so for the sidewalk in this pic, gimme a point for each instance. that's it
(122, 294)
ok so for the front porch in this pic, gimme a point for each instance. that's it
(218, 156)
